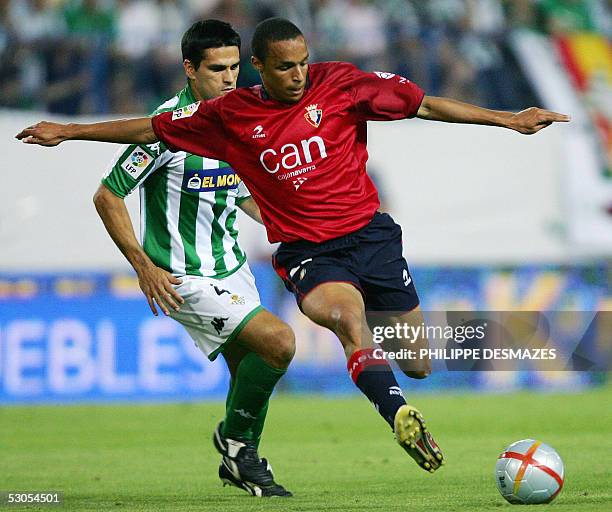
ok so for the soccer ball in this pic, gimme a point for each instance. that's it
(529, 472)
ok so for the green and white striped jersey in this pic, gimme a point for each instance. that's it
(187, 204)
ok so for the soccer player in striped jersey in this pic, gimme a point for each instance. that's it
(300, 140)
(190, 263)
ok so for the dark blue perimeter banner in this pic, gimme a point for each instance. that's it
(91, 337)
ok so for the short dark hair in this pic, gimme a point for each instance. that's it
(270, 30)
(206, 34)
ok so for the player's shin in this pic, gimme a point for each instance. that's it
(230, 391)
(253, 386)
(256, 430)
(258, 425)
(374, 377)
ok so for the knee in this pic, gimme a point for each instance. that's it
(422, 372)
(281, 343)
(347, 324)
(417, 374)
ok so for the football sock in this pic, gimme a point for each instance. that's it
(253, 385)
(258, 425)
(254, 433)
(229, 393)
(374, 377)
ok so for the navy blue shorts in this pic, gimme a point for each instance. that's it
(370, 259)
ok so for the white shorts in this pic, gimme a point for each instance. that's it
(216, 310)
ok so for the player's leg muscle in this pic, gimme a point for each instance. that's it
(418, 368)
(340, 308)
(233, 354)
(270, 338)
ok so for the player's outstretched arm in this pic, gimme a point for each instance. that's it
(249, 206)
(527, 122)
(125, 131)
(156, 283)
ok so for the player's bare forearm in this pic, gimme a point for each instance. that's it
(124, 131)
(116, 219)
(156, 283)
(249, 206)
(527, 121)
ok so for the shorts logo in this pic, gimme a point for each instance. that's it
(219, 291)
(207, 180)
(219, 324)
(300, 266)
(406, 277)
(314, 115)
(237, 300)
(384, 75)
(186, 111)
(137, 162)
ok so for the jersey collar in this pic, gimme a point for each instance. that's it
(189, 93)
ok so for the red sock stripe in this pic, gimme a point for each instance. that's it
(361, 360)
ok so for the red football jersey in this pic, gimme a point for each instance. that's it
(304, 163)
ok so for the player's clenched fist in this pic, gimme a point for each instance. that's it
(44, 134)
(532, 120)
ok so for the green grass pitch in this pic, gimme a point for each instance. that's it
(334, 454)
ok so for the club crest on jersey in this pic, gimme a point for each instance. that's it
(314, 115)
(137, 162)
(186, 111)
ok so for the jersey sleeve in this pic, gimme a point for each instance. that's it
(131, 165)
(196, 128)
(242, 193)
(380, 96)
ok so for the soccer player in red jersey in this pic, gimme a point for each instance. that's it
(299, 143)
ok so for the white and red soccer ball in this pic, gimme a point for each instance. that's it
(529, 472)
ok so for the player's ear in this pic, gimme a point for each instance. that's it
(189, 69)
(257, 64)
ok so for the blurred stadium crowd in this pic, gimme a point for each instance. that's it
(123, 56)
